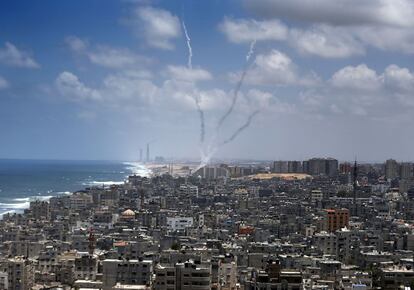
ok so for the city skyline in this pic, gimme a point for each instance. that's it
(83, 80)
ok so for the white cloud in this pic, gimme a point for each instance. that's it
(76, 44)
(4, 84)
(159, 27)
(106, 56)
(399, 78)
(183, 73)
(357, 77)
(123, 90)
(387, 38)
(70, 86)
(274, 68)
(11, 55)
(338, 12)
(326, 41)
(338, 29)
(362, 91)
(247, 30)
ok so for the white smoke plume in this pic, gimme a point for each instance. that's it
(196, 99)
(251, 50)
(190, 49)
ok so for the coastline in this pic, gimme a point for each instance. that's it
(19, 204)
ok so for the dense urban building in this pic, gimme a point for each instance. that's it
(312, 224)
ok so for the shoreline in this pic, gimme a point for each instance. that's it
(19, 204)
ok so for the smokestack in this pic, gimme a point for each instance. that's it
(148, 153)
(140, 155)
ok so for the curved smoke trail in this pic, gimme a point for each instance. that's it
(241, 129)
(238, 87)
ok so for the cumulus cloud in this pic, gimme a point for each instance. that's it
(357, 77)
(275, 68)
(106, 56)
(326, 41)
(158, 27)
(247, 30)
(339, 12)
(387, 38)
(183, 73)
(362, 91)
(69, 85)
(4, 84)
(11, 55)
(128, 90)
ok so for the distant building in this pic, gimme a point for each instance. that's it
(280, 167)
(134, 272)
(212, 172)
(186, 275)
(295, 167)
(273, 278)
(322, 166)
(20, 273)
(406, 170)
(345, 168)
(179, 223)
(336, 219)
(391, 169)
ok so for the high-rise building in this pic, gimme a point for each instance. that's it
(322, 166)
(331, 167)
(148, 153)
(295, 167)
(406, 170)
(280, 167)
(391, 169)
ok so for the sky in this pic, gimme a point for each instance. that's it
(271, 79)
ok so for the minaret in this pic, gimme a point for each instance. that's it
(355, 176)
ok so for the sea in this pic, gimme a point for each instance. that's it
(22, 181)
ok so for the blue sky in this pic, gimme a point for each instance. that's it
(99, 79)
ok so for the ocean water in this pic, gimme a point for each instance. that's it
(22, 181)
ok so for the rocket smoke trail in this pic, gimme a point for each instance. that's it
(213, 146)
(201, 115)
(251, 51)
(190, 50)
(241, 129)
(196, 99)
(238, 87)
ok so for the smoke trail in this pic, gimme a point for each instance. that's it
(201, 116)
(251, 51)
(196, 99)
(190, 50)
(241, 129)
(238, 87)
